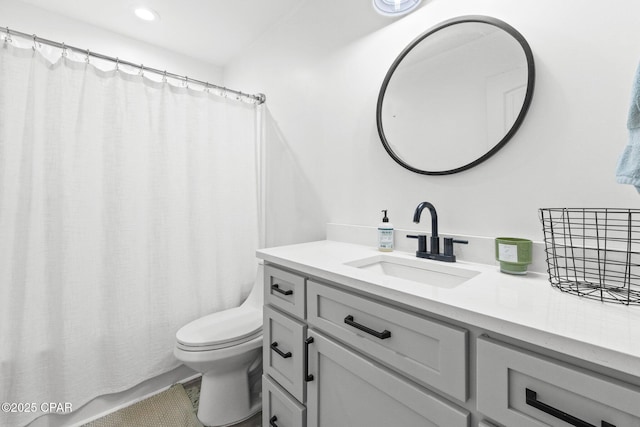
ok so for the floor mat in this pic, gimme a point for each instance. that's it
(171, 408)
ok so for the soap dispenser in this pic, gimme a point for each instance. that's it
(385, 234)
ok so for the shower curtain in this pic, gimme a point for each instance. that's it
(128, 207)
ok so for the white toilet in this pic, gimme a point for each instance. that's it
(226, 347)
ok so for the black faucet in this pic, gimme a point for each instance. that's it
(434, 252)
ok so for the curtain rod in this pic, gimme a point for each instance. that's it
(260, 98)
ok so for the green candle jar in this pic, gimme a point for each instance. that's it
(514, 254)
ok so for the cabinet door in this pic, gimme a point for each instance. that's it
(350, 390)
(520, 388)
(279, 408)
(282, 351)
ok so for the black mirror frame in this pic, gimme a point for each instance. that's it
(523, 111)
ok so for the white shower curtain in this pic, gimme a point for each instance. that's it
(127, 208)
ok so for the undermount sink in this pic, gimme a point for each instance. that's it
(431, 273)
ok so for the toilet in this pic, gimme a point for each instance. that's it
(226, 347)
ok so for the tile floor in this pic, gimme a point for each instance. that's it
(193, 391)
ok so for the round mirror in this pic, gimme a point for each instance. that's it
(455, 95)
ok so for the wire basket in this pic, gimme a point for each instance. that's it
(594, 253)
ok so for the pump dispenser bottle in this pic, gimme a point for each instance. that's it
(385, 234)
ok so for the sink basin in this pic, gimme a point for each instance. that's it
(432, 273)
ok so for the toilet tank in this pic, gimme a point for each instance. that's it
(256, 296)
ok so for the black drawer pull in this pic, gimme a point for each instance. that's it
(272, 421)
(276, 288)
(532, 400)
(274, 347)
(307, 376)
(382, 335)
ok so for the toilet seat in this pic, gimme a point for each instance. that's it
(221, 330)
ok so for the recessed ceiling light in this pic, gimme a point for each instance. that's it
(146, 14)
(395, 7)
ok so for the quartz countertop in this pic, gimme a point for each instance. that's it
(526, 307)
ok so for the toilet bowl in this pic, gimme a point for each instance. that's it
(226, 347)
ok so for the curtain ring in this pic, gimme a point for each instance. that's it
(164, 76)
(35, 42)
(64, 50)
(117, 64)
(186, 82)
(87, 58)
(141, 73)
(206, 87)
(7, 38)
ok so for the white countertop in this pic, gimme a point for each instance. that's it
(527, 307)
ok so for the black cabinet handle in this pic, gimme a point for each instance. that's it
(274, 347)
(382, 335)
(532, 400)
(307, 376)
(272, 421)
(276, 288)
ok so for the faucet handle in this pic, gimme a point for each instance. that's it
(422, 241)
(448, 245)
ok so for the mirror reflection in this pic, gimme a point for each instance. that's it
(455, 95)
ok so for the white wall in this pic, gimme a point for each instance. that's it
(321, 71)
(29, 19)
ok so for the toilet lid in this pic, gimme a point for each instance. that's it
(235, 324)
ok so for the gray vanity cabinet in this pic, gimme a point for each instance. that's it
(427, 351)
(279, 408)
(285, 291)
(326, 364)
(520, 388)
(349, 389)
(283, 356)
(346, 357)
(283, 352)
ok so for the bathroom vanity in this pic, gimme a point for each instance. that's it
(353, 337)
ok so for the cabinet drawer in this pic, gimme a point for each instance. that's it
(524, 389)
(285, 290)
(425, 350)
(279, 408)
(282, 351)
(348, 389)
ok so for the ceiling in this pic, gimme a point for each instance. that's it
(210, 30)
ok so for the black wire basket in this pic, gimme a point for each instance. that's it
(594, 253)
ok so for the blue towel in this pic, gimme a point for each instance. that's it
(628, 170)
